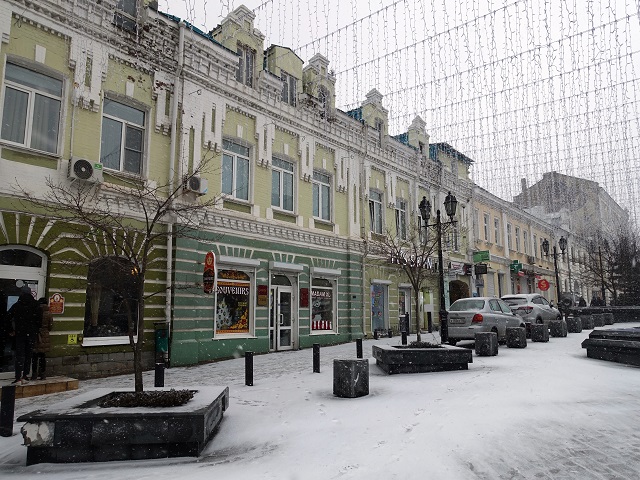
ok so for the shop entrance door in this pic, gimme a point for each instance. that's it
(281, 319)
(21, 269)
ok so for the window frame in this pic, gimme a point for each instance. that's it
(318, 187)
(487, 236)
(32, 92)
(509, 239)
(334, 304)
(517, 235)
(401, 218)
(125, 125)
(281, 171)
(230, 149)
(246, 64)
(375, 207)
(496, 230)
(225, 278)
(289, 88)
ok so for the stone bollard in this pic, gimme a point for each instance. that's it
(539, 333)
(598, 320)
(516, 337)
(608, 318)
(487, 344)
(587, 322)
(558, 328)
(350, 378)
(574, 325)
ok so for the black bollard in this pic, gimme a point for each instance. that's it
(359, 348)
(7, 409)
(248, 369)
(159, 379)
(316, 358)
(404, 338)
(375, 334)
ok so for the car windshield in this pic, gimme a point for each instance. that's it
(515, 301)
(467, 304)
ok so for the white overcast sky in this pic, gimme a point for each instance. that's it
(522, 87)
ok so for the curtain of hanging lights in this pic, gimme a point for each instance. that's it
(522, 87)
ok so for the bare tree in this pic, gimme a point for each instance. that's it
(127, 218)
(414, 252)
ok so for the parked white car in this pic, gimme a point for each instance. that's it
(532, 307)
(468, 316)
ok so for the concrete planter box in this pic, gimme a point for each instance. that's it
(516, 337)
(620, 345)
(587, 322)
(77, 430)
(598, 319)
(558, 328)
(350, 378)
(403, 359)
(486, 344)
(608, 318)
(539, 333)
(574, 325)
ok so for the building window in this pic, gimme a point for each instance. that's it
(525, 242)
(535, 246)
(31, 110)
(375, 211)
(496, 231)
(509, 236)
(476, 224)
(379, 126)
(486, 227)
(112, 298)
(235, 170)
(244, 73)
(282, 184)
(126, 14)
(122, 143)
(322, 298)
(323, 100)
(517, 239)
(321, 196)
(401, 219)
(233, 302)
(378, 307)
(289, 89)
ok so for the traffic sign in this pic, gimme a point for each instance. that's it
(543, 285)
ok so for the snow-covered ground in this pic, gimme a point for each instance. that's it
(543, 412)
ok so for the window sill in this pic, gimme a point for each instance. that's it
(127, 176)
(324, 332)
(22, 149)
(105, 341)
(227, 336)
(322, 221)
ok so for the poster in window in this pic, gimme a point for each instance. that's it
(232, 302)
(322, 309)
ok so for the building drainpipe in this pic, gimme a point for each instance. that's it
(172, 171)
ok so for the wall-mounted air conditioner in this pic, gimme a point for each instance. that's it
(85, 170)
(196, 184)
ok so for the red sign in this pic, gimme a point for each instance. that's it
(210, 273)
(304, 297)
(543, 285)
(56, 304)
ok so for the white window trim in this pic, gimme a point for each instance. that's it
(372, 217)
(31, 91)
(145, 135)
(101, 341)
(248, 266)
(280, 208)
(330, 199)
(233, 196)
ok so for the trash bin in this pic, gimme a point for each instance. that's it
(404, 323)
(162, 340)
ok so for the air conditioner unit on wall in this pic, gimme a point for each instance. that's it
(85, 170)
(196, 184)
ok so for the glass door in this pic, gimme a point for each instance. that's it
(281, 319)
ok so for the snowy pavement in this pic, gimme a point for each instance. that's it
(543, 412)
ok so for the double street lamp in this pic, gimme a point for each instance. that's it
(562, 243)
(450, 205)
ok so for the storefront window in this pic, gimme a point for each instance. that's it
(232, 302)
(322, 305)
(112, 298)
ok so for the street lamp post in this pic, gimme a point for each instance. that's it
(545, 247)
(604, 298)
(450, 205)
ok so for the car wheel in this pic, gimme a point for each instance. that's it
(559, 317)
(452, 342)
(538, 320)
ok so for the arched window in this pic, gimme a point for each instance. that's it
(323, 100)
(112, 298)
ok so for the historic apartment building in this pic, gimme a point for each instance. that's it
(96, 95)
